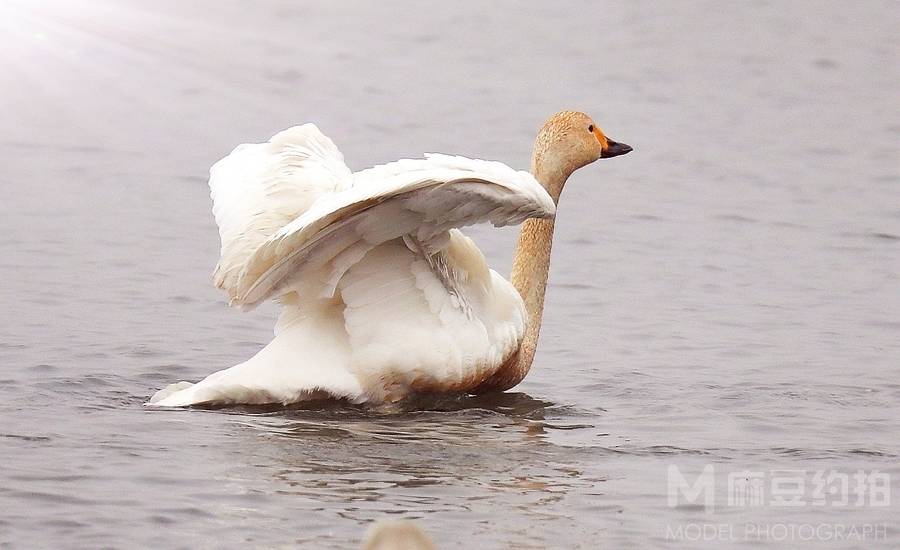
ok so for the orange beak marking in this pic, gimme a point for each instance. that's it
(604, 143)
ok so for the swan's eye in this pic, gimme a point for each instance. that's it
(591, 128)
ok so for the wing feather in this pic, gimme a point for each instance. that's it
(424, 198)
(261, 187)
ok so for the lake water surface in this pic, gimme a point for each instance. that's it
(726, 297)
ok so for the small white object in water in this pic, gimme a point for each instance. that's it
(396, 535)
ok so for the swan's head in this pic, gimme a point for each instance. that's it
(568, 141)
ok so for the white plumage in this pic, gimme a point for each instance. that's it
(382, 294)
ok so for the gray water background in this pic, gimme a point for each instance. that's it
(728, 294)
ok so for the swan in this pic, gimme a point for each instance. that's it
(383, 297)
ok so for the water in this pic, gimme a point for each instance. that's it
(726, 295)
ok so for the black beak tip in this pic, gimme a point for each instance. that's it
(614, 149)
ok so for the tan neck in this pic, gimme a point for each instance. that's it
(531, 267)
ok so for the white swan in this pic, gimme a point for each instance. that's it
(382, 295)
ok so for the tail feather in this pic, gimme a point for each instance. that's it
(305, 361)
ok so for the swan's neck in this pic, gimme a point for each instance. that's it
(531, 267)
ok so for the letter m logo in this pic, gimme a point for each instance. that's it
(681, 492)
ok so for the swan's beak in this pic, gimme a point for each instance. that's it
(614, 149)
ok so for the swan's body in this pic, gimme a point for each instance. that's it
(382, 295)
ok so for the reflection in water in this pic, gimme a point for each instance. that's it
(508, 403)
(451, 456)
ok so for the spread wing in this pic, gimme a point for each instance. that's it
(261, 187)
(419, 200)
